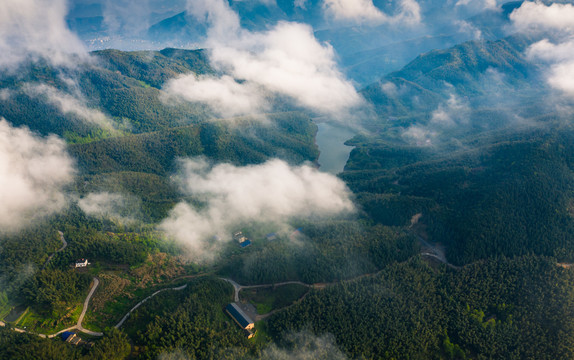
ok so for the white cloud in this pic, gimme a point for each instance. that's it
(224, 95)
(5, 94)
(547, 51)
(33, 173)
(449, 115)
(285, 60)
(467, 28)
(32, 29)
(560, 59)
(300, 4)
(419, 135)
(289, 60)
(127, 16)
(537, 17)
(111, 205)
(223, 22)
(390, 89)
(270, 192)
(478, 5)
(68, 104)
(366, 11)
(561, 77)
(454, 111)
(557, 22)
(305, 346)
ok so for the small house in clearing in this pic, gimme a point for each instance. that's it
(241, 318)
(71, 338)
(82, 263)
(241, 239)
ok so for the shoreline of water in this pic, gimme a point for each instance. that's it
(330, 140)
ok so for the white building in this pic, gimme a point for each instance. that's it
(82, 263)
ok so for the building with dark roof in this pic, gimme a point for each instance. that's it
(66, 334)
(71, 338)
(241, 318)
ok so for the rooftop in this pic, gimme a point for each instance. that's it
(242, 318)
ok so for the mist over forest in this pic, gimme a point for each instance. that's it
(277, 179)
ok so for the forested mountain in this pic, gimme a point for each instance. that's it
(472, 70)
(497, 309)
(366, 52)
(123, 86)
(504, 196)
(143, 191)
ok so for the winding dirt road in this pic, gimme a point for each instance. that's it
(78, 325)
(117, 326)
(238, 287)
(429, 250)
(64, 245)
(434, 251)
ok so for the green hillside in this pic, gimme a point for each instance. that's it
(461, 245)
(139, 154)
(506, 194)
(124, 86)
(472, 70)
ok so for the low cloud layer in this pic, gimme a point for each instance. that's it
(33, 174)
(232, 196)
(535, 17)
(69, 105)
(455, 111)
(33, 29)
(286, 60)
(560, 61)
(110, 205)
(224, 95)
(364, 11)
(303, 345)
(477, 5)
(449, 115)
(556, 52)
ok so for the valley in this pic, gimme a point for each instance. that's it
(373, 180)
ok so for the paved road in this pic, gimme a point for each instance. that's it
(236, 287)
(78, 325)
(117, 326)
(435, 252)
(275, 284)
(64, 244)
(86, 303)
(239, 287)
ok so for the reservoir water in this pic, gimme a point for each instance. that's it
(331, 142)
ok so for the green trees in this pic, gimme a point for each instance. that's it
(497, 309)
(330, 250)
(113, 346)
(18, 346)
(54, 290)
(509, 195)
(191, 321)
